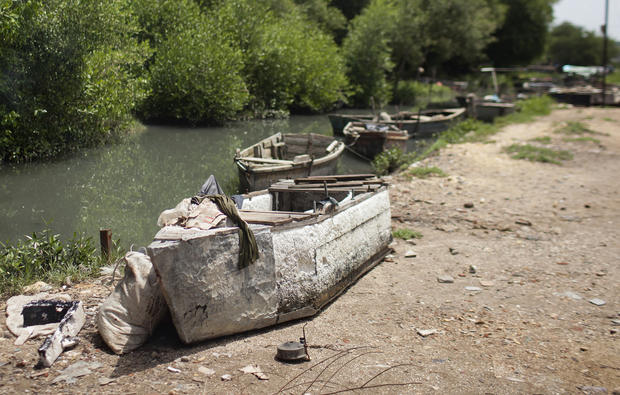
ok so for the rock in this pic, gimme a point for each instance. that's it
(523, 222)
(562, 263)
(589, 389)
(206, 371)
(226, 377)
(473, 269)
(468, 205)
(453, 251)
(426, 332)
(410, 254)
(486, 283)
(583, 349)
(616, 391)
(615, 322)
(473, 289)
(445, 279)
(78, 369)
(597, 302)
(184, 359)
(105, 381)
(570, 294)
(173, 370)
(250, 369)
(37, 287)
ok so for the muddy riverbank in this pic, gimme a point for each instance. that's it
(523, 251)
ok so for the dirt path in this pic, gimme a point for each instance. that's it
(539, 243)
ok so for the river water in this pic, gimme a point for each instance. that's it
(125, 187)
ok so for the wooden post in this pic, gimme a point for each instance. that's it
(105, 237)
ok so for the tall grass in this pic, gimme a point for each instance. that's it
(43, 256)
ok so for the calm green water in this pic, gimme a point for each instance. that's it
(125, 187)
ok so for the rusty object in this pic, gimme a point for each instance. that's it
(105, 237)
(294, 351)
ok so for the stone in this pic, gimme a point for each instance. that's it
(426, 332)
(173, 369)
(78, 369)
(410, 254)
(597, 302)
(473, 269)
(184, 359)
(468, 205)
(37, 287)
(206, 371)
(445, 279)
(570, 294)
(615, 322)
(589, 389)
(105, 381)
(226, 377)
(453, 251)
(486, 283)
(473, 289)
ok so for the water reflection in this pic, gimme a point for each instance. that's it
(125, 187)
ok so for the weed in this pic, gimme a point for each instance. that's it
(390, 160)
(582, 139)
(542, 140)
(537, 154)
(609, 119)
(425, 172)
(572, 128)
(43, 256)
(406, 234)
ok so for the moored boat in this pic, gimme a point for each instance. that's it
(418, 125)
(286, 156)
(315, 237)
(370, 139)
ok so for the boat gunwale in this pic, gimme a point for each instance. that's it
(270, 168)
(195, 233)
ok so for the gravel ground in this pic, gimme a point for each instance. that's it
(522, 247)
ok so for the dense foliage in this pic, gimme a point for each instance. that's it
(522, 37)
(70, 74)
(570, 44)
(73, 73)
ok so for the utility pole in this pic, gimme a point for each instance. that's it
(604, 28)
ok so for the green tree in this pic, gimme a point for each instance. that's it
(368, 53)
(523, 36)
(70, 73)
(570, 44)
(288, 61)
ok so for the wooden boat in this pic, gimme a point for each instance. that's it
(284, 156)
(309, 252)
(487, 111)
(370, 139)
(428, 123)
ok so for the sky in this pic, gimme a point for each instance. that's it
(589, 14)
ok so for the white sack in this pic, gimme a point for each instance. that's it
(129, 315)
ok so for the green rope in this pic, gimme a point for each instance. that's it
(248, 249)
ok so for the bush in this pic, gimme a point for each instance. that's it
(70, 74)
(288, 61)
(414, 93)
(196, 77)
(406, 234)
(43, 256)
(390, 160)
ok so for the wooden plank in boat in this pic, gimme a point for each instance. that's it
(271, 217)
(362, 188)
(335, 178)
(266, 160)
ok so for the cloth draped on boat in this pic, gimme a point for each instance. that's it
(248, 249)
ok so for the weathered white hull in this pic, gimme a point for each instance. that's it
(302, 266)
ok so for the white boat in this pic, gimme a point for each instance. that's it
(310, 250)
